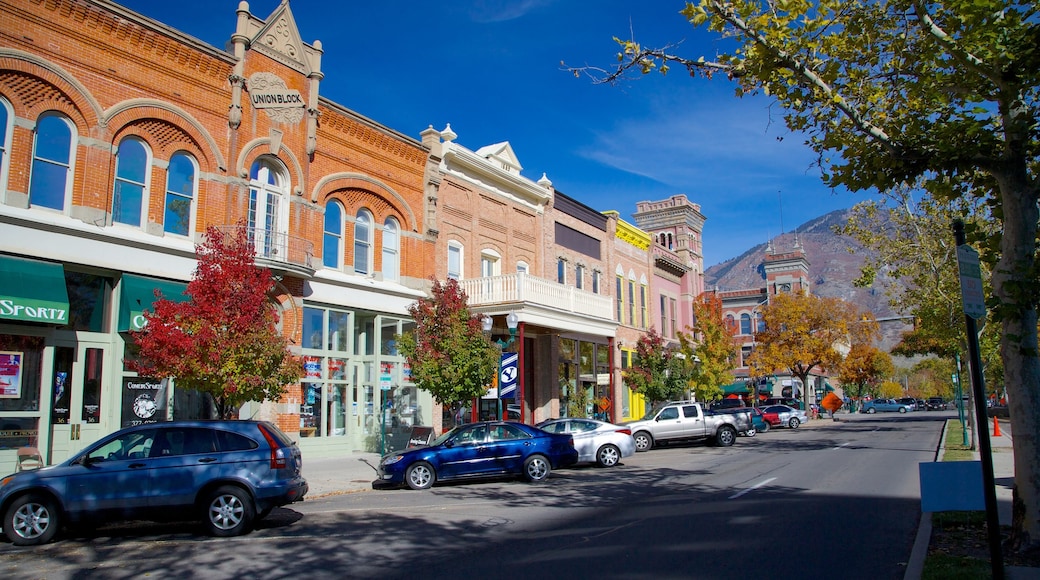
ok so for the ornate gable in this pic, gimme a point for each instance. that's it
(279, 38)
(501, 155)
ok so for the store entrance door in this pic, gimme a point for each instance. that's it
(76, 383)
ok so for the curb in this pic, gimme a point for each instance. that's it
(915, 565)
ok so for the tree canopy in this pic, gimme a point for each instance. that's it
(224, 341)
(709, 345)
(806, 333)
(449, 354)
(658, 372)
(863, 370)
(943, 96)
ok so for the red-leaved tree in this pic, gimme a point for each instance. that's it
(223, 341)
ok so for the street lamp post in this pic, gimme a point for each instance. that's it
(512, 321)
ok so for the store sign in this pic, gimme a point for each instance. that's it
(144, 401)
(32, 312)
(276, 99)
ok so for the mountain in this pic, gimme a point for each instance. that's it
(834, 262)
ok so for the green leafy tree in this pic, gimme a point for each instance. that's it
(709, 344)
(890, 390)
(805, 333)
(224, 341)
(933, 377)
(863, 369)
(909, 241)
(449, 354)
(658, 372)
(891, 92)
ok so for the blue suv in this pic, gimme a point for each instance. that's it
(225, 474)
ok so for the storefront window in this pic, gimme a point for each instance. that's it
(21, 361)
(323, 409)
(88, 301)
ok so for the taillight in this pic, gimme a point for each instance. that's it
(625, 431)
(278, 458)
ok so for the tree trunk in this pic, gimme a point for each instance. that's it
(1013, 284)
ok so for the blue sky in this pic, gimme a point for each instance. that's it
(491, 68)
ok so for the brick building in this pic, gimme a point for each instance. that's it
(121, 141)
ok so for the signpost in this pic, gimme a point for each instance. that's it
(974, 308)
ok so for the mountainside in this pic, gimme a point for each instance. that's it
(832, 268)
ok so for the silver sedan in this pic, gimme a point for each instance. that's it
(596, 441)
(788, 416)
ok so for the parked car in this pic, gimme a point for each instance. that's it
(786, 416)
(227, 474)
(884, 406)
(935, 404)
(794, 403)
(771, 417)
(485, 449)
(910, 402)
(756, 424)
(685, 420)
(727, 404)
(604, 444)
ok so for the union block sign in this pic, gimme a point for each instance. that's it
(508, 373)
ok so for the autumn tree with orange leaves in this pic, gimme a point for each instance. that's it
(805, 333)
(224, 341)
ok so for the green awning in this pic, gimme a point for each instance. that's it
(33, 291)
(737, 388)
(827, 388)
(137, 294)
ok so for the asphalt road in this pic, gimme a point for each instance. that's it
(832, 500)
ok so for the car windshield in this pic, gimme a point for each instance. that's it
(654, 411)
(444, 436)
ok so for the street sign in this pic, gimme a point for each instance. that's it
(972, 297)
(507, 375)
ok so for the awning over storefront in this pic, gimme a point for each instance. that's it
(33, 291)
(737, 388)
(137, 295)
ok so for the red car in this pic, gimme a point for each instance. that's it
(773, 418)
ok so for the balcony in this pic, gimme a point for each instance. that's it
(281, 253)
(524, 288)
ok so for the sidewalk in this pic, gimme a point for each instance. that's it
(348, 473)
(1004, 479)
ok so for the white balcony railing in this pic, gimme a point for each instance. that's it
(526, 288)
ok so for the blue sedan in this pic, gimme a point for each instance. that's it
(475, 450)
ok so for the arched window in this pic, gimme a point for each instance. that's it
(130, 192)
(391, 249)
(761, 322)
(745, 323)
(454, 260)
(52, 162)
(268, 221)
(521, 267)
(180, 193)
(6, 115)
(363, 242)
(332, 240)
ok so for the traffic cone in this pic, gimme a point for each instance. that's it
(996, 427)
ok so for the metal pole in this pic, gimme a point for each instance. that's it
(989, 484)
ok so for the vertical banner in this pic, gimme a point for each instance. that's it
(508, 374)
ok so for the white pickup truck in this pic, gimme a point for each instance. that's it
(685, 420)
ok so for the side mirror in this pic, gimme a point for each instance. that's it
(449, 443)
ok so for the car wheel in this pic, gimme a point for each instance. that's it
(643, 441)
(229, 512)
(902, 409)
(536, 468)
(608, 456)
(794, 423)
(725, 436)
(420, 475)
(751, 432)
(31, 520)
(871, 411)
(765, 427)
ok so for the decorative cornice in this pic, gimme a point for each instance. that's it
(630, 234)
